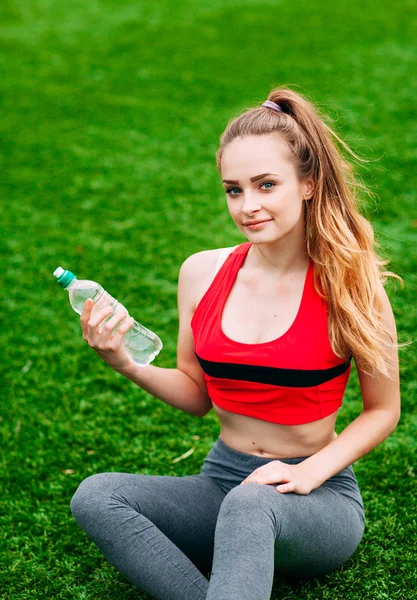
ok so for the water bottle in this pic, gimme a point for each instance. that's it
(140, 343)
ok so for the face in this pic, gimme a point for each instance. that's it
(261, 184)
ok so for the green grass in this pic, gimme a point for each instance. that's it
(111, 113)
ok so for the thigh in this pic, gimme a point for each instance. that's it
(307, 534)
(317, 533)
(185, 509)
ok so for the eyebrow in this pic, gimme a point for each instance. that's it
(255, 178)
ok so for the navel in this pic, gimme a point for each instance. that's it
(259, 451)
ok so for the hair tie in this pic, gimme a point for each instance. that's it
(272, 105)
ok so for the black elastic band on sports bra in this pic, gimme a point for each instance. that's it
(272, 375)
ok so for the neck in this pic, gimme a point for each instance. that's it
(278, 261)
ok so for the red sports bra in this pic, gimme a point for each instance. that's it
(292, 380)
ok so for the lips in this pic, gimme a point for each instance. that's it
(247, 223)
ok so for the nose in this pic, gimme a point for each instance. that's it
(250, 204)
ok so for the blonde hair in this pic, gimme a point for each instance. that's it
(340, 241)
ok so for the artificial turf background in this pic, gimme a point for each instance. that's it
(111, 114)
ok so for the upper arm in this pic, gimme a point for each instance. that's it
(380, 392)
(191, 281)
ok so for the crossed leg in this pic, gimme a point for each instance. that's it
(158, 531)
(163, 532)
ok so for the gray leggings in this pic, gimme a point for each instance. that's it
(166, 533)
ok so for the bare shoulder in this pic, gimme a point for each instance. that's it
(196, 274)
(200, 260)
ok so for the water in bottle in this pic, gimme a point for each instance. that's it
(140, 343)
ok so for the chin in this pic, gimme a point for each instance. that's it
(260, 237)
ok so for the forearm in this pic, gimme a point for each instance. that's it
(172, 386)
(368, 430)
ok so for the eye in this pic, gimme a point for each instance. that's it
(230, 190)
(268, 183)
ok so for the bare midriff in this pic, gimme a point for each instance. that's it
(271, 440)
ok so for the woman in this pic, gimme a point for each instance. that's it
(266, 336)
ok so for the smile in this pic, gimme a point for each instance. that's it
(257, 224)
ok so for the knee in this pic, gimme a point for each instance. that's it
(89, 496)
(247, 500)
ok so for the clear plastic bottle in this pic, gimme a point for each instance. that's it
(140, 343)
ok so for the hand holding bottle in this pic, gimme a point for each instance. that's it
(141, 344)
(106, 337)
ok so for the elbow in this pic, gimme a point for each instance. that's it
(203, 403)
(388, 419)
(204, 408)
(396, 419)
(201, 414)
(395, 416)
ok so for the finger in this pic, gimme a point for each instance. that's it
(94, 327)
(85, 317)
(266, 478)
(116, 319)
(97, 317)
(86, 310)
(115, 340)
(255, 477)
(257, 480)
(109, 326)
(124, 327)
(251, 479)
(286, 487)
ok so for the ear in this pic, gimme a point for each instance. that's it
(308, 189)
